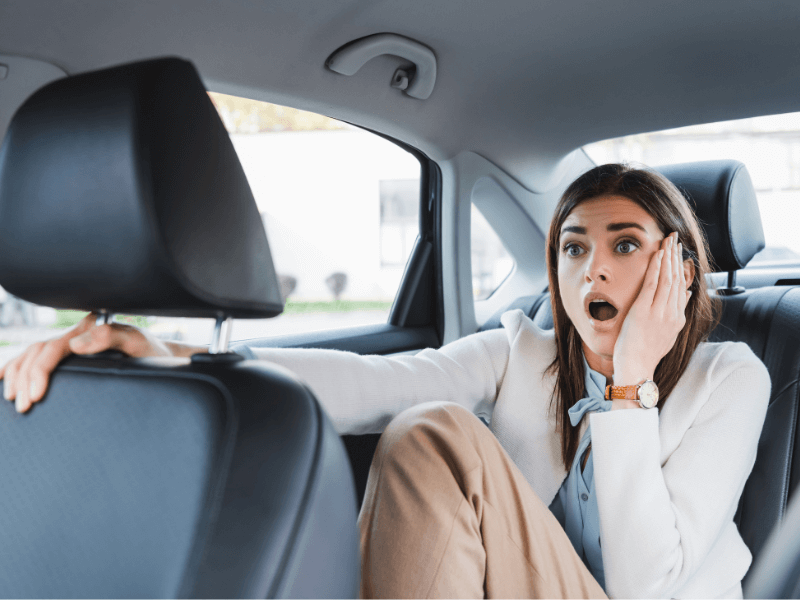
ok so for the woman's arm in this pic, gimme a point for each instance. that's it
(27, 376)
(363, 393)
(658, 523)
(360, 393)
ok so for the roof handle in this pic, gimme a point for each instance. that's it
(348, 59)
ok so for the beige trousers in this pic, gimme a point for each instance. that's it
(447, 514)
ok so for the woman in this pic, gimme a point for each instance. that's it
(641, 499)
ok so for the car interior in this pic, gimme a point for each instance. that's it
(121, 192)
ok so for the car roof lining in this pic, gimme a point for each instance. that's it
(520, 83)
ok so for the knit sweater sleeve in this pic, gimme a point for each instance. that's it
(658, 522)
(361, 394)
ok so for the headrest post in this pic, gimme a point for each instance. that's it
(222, 335)
(732, 288)
(103, 317)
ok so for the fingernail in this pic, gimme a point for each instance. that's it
(22, 402)
(6, 392)
(32, 389)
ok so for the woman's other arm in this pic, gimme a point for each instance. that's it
(658, 523)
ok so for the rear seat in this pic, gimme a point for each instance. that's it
(767, 319)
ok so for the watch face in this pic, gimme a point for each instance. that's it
(648, 394)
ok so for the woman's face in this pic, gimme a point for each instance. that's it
(605, 247)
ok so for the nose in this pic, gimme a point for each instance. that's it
(598, 267)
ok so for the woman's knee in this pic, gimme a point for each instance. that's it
(432, 425)
(429, 413)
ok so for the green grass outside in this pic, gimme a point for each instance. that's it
(299, 307)
(70, 318)
(67, 318)
(4, 343)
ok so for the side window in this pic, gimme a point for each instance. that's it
(341, 209)
(491, 262)
(399, 223)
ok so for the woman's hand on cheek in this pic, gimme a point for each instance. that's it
(656, 317)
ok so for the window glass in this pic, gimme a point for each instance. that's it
(341, 209)
(491, 262)
(399, 223)
(768, 146)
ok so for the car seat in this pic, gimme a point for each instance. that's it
(120, 192)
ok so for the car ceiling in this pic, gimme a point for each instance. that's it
(519, 82)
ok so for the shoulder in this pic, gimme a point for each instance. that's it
(531, 348)
(729, 371)
(718, 360)
(520, 329)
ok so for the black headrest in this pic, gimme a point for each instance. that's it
(120, 190)
(724, 199)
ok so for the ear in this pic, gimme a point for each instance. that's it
(688, 271)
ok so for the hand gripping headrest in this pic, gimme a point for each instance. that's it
(120, 190)
(724, 199)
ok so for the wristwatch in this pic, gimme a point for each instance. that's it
(646, 393)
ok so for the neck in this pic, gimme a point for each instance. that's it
(599, 362)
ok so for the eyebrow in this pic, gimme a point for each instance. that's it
(621, 226)
(609, 227)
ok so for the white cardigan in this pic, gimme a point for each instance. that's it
(668, 484)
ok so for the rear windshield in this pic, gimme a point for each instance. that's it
(768, 146)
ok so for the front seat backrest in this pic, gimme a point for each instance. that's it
(204, 477)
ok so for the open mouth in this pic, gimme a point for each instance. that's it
(602, 310)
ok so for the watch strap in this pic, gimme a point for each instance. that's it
(622, 392)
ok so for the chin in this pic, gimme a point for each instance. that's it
(601, 344)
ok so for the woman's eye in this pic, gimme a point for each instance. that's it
(573, 250)
(625, 247)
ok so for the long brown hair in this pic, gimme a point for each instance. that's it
(665, 203)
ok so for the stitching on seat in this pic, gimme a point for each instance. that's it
(788, 460)
(301, 516)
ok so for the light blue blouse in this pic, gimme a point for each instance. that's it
(575, 505)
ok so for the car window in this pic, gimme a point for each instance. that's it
(491, 262)
(341, 209)
(769, 147)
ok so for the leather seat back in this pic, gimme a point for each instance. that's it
(167, 479)
(204, 477)
(768, 320)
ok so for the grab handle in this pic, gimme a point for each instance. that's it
(348, 59)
